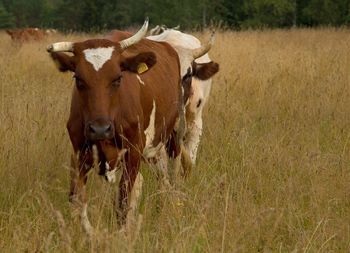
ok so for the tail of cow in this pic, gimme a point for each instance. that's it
(175, 146)
(186, 162)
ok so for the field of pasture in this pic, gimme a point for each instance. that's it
(273, 169)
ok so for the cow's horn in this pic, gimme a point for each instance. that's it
(124, 44)
(60, 47)
(198, 52)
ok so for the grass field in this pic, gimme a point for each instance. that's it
(273, 170)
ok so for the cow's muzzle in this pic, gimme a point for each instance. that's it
(99, 130)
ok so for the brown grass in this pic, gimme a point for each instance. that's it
(273, 170)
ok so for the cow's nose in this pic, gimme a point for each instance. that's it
(100, 131)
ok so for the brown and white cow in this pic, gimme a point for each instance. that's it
(125, 106)
(199, 73)
(26, 34)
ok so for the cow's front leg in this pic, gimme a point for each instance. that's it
(193, 135)
(161, 163)
(77, 195)
(134, 200)
(130, 187)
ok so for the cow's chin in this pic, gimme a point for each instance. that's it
(113, 157)
(109, 149)
(108, 156)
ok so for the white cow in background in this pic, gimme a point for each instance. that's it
(200, 87)
(158, 29)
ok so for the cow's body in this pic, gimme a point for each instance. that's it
(26, 34)
(200, 88)
(131, 120)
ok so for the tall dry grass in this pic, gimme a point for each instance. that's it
(273, 168)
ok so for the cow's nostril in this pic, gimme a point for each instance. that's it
(109, 128)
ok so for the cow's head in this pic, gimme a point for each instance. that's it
(12, 33)
(98, 66)
(9, 32)
(191, 69)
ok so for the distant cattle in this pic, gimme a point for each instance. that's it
(51, 31)
(126, 104)
(200, 72)
(26, 34)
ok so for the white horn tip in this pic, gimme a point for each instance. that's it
(60, 47)
(49, 48)
(145, 24)
(136, 37)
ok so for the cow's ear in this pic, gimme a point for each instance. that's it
(139, 63)
(9, 32)
(204, 71)
(63, 61)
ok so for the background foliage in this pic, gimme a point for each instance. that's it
(96, 15)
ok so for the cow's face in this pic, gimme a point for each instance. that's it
(98, 67)
(13, 33)
(200, 71)
(191, 69)
(9, 32)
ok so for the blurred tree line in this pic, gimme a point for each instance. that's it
(97, 15)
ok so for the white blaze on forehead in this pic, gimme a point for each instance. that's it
(98, 56)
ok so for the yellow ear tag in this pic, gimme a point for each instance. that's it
(142, 67)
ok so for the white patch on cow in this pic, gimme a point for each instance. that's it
(110, 174)
(113, 175)
(140, 80)
(150, 151)
(98, 56)
(150, 130)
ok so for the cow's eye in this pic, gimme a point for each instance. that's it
(116, 82)
(188, 76)
(79, 83)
